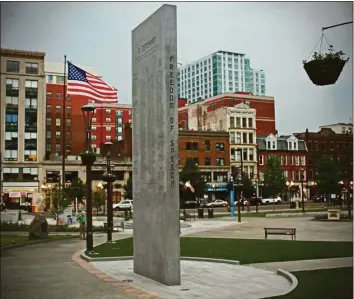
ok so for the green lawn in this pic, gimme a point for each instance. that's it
(245, 251)
(324, 284)
(6, 240)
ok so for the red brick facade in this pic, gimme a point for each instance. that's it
(265, 109)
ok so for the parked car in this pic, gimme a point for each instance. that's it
(126, 204)
(275, 200)
(217, 203)
(189, 204)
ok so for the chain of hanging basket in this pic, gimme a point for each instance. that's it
(325, 68)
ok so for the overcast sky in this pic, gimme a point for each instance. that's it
(276, 36)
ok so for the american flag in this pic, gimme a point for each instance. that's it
(85, 84)
(188, 185)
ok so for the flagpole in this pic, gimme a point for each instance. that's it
(64, 128)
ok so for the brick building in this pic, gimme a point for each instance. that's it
(194, 115)
(293, 156)
(327, 142)
(211, 151)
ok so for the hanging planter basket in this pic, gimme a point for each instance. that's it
(324, 72)
(88, 158)
(325, 68)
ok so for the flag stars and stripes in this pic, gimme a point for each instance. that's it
(85, 84)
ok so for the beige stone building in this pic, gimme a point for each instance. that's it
(240, 122)
(22, 131)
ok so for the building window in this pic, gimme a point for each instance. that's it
(250, 138)
(68, 122)
(220, 147)
(12, 102)
(57, 147)
(119, 130)
(94, 128)
(58, 96)
(291, 160)
(94, 119)
(57, 134)
(50, 78)
(297, 162)
(49, 108)
(31, 90)
(57, 122)
(273, 145)
(244, 137)
(207, 161)
(238, 122)
(119, 138)
(290, 146)
(244, 122)
(12, 87)
(57, 109)
(12, 66)
(108, 119)
(68, 136)
(238, 137)
(68, 110)
(108, 128)
(250, 122)
(93, 137)
(49, 134)
(232, 122)
(31, 68)
(108, 137)
(11, 155)
(285, 160)
(303, 160)
(220, 161)
(250, 154)
(207, 145)
(108, 110)
(49, 95)
(49, 121)
(60, 79)
(261, 159)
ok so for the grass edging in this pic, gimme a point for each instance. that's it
(290, 277)
(33, 242)
(183, 258)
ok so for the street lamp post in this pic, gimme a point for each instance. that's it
(289, 184)
(240, 199)
(109, 177)
(88, 158)
(302, 190)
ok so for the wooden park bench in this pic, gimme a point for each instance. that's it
(280, 231)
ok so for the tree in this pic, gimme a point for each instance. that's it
(59, 202)
(247, 187)
(77, 189)
(328, 176)
(128, 188)
(191, 173)
(99, 199)
(274, 179)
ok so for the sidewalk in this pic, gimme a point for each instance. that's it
(306, 265)
(47, 271)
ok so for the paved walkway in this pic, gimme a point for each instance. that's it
(306, 265)
(46, 270)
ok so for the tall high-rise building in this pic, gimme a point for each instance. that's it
(218, 73)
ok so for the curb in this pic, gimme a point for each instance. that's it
(183, 258)
(36, 242)
(290, 277)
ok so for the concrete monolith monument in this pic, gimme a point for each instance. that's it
(155, 148)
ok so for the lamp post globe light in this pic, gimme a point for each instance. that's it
(109, 177)
(302, 190)
(88, 158)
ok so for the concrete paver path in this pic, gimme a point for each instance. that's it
(46, 270)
